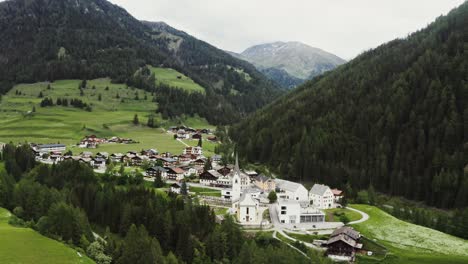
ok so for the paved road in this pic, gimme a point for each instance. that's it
(364, 217)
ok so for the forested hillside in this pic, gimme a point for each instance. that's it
(47, 40)
(396, 118)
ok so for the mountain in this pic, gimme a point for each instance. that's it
(298, 60)
(46, 40)
(395, 118)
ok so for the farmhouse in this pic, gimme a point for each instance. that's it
(116, 157)
(209, 178)
(193, 150)
(224, 170)
(338, 195)
(174, 173)
(343, 243)
(322, 197)
(153, 172)
(291, 190)
(175, 188)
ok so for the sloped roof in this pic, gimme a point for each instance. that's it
(345, 239)
(288, 185)
(246, 200)
(345, 230)
(319, 189)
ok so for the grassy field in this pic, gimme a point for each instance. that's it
(24, 245)
(176, 79)
(307, 238)
(205, 191)
(111, 116)
(408, 243)
(333, 215)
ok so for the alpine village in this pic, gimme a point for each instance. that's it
(129, 141)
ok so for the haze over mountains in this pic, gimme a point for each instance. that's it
(290, 63)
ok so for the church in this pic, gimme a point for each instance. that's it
(243, 204)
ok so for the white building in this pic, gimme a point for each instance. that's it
(246, 209)
(46, 148)
(322, 196)
(295, 212)
(291, 191)
(193, 150)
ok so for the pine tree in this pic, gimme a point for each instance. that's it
(135, 120)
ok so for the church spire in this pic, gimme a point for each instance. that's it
(236, 167)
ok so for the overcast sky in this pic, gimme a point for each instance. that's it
(343, 27)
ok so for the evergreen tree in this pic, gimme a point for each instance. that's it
(135, 120)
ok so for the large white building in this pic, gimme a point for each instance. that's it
(322, 196)
(295, 212)
(46, 148)
(291, 191)
(246, 208)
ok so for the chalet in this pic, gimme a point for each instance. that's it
(338, 195)
(167, 162)
(322, 197)
(99, 163)
(343, 244)
(291, 190)
(185, 158)
(189, 171)
(182, 134)
(209, 178)
(138, 160)
(116, 157)
(224, 171)
(174, 173)
(264, 183)
(193, 150)
(153, 172)
(150, 152)
(216, 158)
(86, 154)
(103, 155)
(199, 162)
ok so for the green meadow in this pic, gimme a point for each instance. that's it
(174, 78)
(24, 245)
(113, 109)
(408, 243)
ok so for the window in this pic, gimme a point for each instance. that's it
(283, 212)
(283, 207)
(247, 210)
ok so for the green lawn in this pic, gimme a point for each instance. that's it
(24, 245)
(409, 243)
(307, 238)
(176, 79)
(333, 215)
(205, 191)
(111, 116)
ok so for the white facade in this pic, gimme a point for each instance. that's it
(291, 191)
(295, 212)
(50, 148)
(322, 196)
(247, 209)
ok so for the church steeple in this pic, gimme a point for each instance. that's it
(236, 167)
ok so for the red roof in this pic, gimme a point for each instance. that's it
(337, 192)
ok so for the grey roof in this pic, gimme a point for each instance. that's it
(319, 189)
(287, 185)
(345, 230)
(51, 146)
(346, 239)
(158, 168)
(262, 178)
(246, 200)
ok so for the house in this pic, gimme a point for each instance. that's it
(193, 150)
(182, 134)
(104, 155)
(153, 172)
(295, 212)
(216, 158)
(322, 197)
(137, 160)
(116, 157)
(174, 173)
(46, 148)
(343, 244)
(197, 136)
(86, 154)
(167, 161)
(209, 178)
(264, 183)
(246, 208)
(189, 171)
(175, 188)
(224, 170)
(99, 163)
(338, 194)
(291, 190)
(199, 162)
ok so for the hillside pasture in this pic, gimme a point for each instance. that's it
(409, 243)
(24, 245)
(175, 79)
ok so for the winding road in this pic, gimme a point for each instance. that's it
(364, 217)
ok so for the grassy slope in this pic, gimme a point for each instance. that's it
(24, 245)
(170, 77)
(330, 217)
(110, 117)
(409, 243)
